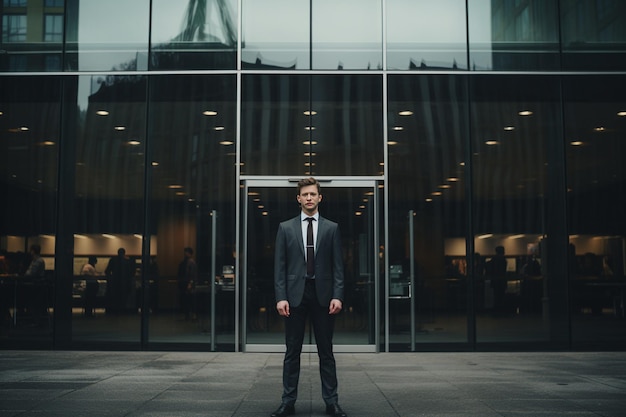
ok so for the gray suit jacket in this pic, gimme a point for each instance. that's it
(290, 262)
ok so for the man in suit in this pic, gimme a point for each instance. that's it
(308, 282)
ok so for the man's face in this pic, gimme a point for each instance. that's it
(309, 198)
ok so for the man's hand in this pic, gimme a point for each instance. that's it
(283, 308)
(335, 306)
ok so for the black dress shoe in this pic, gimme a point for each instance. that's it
(284, 410)
(335, 411)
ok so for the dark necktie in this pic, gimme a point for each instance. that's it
(310, 249)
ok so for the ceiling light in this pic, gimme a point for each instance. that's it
(102, 113)
(138, 236)
(525, 113)
(619, 113)
(120, 128)
(310, 112)
(310, 154)
(218, 128)
(265, 213)
(1, 113)
(428, 200)
(309, 128)
(509, 128)
(108, 236)
(444, 186)
(309, 142)
(576, 143)
(209, 113)
(358, 213)
(309, 164)
(24, 129)
(491, 142)
(392, 143)
(48, 143)
(133, 142)
(452, 179)
(398, 128)
(226, 142)
(599, 129)
(155, 164)
(436, 193)
(174, 186)
(405, 113)
(487, 236)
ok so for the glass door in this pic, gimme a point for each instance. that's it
(353, 204)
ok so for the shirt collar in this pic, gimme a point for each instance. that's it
(304, 216)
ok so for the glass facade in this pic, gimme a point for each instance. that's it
(470, 149)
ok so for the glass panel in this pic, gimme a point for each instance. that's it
(109, 207)
(95, 41)
(343, 41)
(31, 37)
(335, 130)
(198, 34)
(595, 120)
(192, 182)
(513, 35)
(353, 209)
(420, 113)
(29, 122)
(513, 119)
(276, 34)
(594, 34)
(426, 35)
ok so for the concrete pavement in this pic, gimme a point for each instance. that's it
(220, 384)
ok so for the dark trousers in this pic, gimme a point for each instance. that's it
(323, 326)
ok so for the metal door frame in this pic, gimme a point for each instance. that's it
(247, 182)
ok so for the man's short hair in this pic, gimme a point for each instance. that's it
(188, 250)
(308, 181)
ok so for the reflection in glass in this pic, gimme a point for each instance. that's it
(513, 35)
(347, 34)
(335, 131)
(193, 129)
(110, 147)
(95, 41)
(276, 34)
(198, 34)
(513, 119)
(29, 122)
(593, 34)
(31, 36)
(426, 34)
(432, 192)
(595, 120)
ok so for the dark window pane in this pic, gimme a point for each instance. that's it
(335, 131)
(513, 35)
(29, 122)
(513, 119)
(595, 120)
(194, 35)
(594, 34)
(110, 151)
(193, 184)
(427, 181)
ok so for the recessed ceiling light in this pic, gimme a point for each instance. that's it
(24, 129)
(174, 186)
(525, 113)
(444, 186)
(309, 142)
(310, 112)
(576, 143)
(452, 179)
(509, 128)
(155, 164)
(309, 164)
(398, 128)
(218, 128)
(226, 142)
(392, 143)
(102, 113)
(428, 200)
(619, 113)
(134, 142)
(310, 154)
(405, 113)
(48, 143)
(120, 128)
(209, 113)
(491, 142)
(436, 193)
(599, 129)
(309, 128)
(1, 113)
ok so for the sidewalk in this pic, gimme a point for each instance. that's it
(159, 384)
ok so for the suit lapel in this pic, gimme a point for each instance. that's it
(297, 230)
(321, 229)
